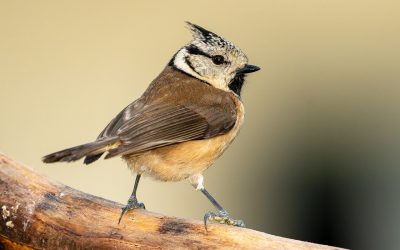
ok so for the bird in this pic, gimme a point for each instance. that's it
(186, 118)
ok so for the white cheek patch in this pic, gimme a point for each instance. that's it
(180, 63)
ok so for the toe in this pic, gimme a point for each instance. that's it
(222, 218)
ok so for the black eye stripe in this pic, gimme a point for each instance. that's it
(194, 50)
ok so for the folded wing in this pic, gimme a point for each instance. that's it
(160, 125)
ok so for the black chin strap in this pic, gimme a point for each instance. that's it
(237, 83)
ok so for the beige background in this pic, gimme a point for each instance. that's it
(318, 156)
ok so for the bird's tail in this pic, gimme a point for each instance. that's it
(92, 151)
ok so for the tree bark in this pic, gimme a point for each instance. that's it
(37, 213)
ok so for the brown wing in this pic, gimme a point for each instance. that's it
(175, 108)
(161, 125)
(125, 115)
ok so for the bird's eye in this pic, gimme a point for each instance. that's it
(217, 59)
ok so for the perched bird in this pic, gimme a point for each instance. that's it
(182, 123)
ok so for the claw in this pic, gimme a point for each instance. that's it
(132, 204)
(223, 218)
(209, 216)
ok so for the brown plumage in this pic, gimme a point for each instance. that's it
(182, 123)
(175, 108)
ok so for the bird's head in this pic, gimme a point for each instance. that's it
(213, 59)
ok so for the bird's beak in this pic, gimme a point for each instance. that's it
(248, 68)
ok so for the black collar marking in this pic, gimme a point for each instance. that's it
(190, 65)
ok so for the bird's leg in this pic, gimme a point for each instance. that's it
(222, 216)
(132, 201)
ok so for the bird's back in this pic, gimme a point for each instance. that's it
(175, 98)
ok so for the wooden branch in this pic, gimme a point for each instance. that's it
(37, 213)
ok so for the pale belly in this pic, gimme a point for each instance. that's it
(180, 161)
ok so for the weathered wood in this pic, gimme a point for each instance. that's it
(41, 214)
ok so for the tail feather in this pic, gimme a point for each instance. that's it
(91, 158)
(92, 149)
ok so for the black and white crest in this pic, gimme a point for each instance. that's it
(209, 38)
(212, 59)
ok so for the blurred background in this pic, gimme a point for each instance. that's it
(318, 156)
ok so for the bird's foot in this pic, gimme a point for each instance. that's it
(132, 204)
(223, 218)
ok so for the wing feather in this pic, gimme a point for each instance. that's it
(158, 127)
(175, 108)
